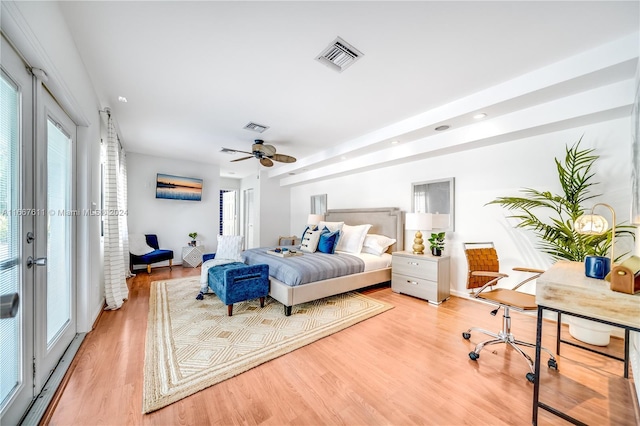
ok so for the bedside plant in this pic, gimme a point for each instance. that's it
(193, 236)
(436, 243)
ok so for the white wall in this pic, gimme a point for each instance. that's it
(172, 220)
(481, 175)
(271, 210)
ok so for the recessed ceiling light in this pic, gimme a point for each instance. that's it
(441, 128)
(479, 116)
(122, 99)
(343, 157)
(394, 142)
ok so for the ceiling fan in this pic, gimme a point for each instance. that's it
(264, 153)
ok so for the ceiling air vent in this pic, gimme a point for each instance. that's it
(256, 127)
(339, 55)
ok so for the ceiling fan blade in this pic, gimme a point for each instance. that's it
(243, 158)
(266, 162)
(283, 158)
(231, 151)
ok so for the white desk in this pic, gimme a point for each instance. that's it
(565, 289)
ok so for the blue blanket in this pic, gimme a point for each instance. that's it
(309, 267)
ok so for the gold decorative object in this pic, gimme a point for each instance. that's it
(418, 222)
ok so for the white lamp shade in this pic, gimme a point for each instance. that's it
(591, 224)
(440, 221)
(418, 221)
(314, 219)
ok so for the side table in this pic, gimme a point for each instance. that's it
(421, 275)
(192, 256)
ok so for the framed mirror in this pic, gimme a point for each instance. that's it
(319, 204)
(436, 197)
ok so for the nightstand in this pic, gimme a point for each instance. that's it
(421, 275)
(192, 256)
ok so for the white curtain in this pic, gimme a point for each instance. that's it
(123, 202)
(116, 245)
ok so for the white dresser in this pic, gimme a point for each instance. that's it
(421, 275)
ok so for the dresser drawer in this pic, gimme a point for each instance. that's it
(415, 266)
(413, 286)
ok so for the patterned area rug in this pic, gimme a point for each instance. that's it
(193, 344)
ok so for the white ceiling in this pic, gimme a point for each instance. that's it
(195, 73)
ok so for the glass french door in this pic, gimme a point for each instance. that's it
(16, 333)
(248, 218)
(229, 216)
(36, 235)
(54, 237)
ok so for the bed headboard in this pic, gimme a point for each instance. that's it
(387, 221)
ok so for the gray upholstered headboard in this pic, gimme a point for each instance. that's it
(387, 221)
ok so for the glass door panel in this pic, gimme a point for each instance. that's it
(59, 202)
(10, 362)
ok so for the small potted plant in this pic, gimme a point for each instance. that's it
(193, 236)
(436, 243)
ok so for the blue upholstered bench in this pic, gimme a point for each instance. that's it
(237, 282)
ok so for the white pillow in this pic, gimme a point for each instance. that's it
(138, 245)
(230, 247)
(331, 226)
(352, 238)
(310, 241)
(377, 244)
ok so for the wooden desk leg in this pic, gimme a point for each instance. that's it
(536, 381)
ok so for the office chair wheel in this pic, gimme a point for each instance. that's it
(552, 364)
(466, 335)
(531, 377)
(474, 356)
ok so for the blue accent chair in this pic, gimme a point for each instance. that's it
(237, 282)
(157, 255)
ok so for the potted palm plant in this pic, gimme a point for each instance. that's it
(436, 243)
(554, 225)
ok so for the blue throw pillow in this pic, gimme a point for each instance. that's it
(328, 241)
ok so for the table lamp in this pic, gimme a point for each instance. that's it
(594, 224)
(314, 219)
(418, 222)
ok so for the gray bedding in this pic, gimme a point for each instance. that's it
(307, 268)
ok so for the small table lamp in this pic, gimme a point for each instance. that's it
(314, 219)
(418, 222)
(594, 224)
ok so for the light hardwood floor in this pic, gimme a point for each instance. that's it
(406, 366)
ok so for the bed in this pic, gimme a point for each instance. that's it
(388, 221)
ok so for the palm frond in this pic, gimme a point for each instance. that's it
(556, 235)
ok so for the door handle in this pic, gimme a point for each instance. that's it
(41, 261)
(9, 305)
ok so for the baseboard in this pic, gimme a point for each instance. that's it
(44, 405)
